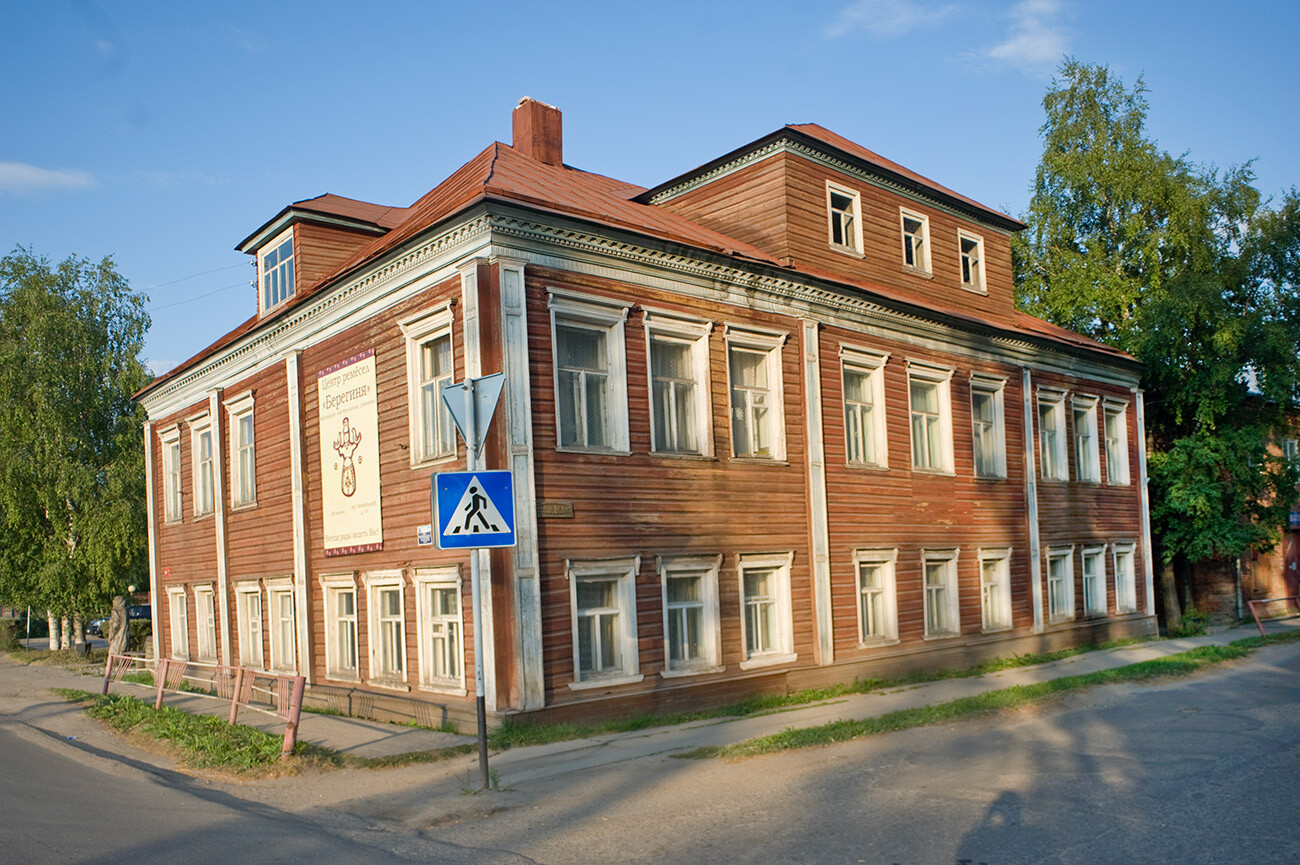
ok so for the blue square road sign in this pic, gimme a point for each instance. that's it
(474, 509)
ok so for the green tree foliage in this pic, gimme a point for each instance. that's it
(71, 451)
(1187, 269)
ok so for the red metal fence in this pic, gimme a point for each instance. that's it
(1293, 609)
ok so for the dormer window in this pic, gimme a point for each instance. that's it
(916, 246)
(972, 261)
(843, 207)
(275, 272)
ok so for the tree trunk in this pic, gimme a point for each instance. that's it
(117, 627)
(78, 634)
(1169, 593)
(65, 633)
(54, 630)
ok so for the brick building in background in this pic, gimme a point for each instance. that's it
(774, 423)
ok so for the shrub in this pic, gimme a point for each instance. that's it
(10, 629)
(140, 631)
(1193, 624)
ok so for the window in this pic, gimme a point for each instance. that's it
(387, 601)
(754, 370)
(249, 607)
(765, 610)
(1125, 585)
(603, 604)
(276, 271)
(942, 616)
(690, 599)
(1060, 584)
(1085, 439)
(590, 372)
(180, 623)
(340, 593)
(995, 589)
(678, 361)
(429, 367)
(1116, 442)
(441, 628)
(1051, 434)
(201, 449)
(283, 633)
(988, 428)
(931, 413)
(843, 208)
(171, 463)
(205, 615)
(972, 261)
(1094, 581)
(243, 474)
(916, 240)
(1291, 450)
(863, 374)
(877, 604)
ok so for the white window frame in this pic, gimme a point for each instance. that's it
(996, 594)
(623, 572)
(1290, 450)
(1125, 592)
(1055, 467)
(887, 596)
(201, 427)
(1065, 613)
(871, 365)
(376, 583)
(951, 603)
(1087, 460)
(250, 650)
(426, 580)
(662, 324)
(419, 330)
(284, 652)
(941, 378)
(1094, 602)
(205, 621)
(853, 235)
(994, 387)
(237, 409)
(179, 620)
(977, 283)
(591, 312)
(782, 651)
(262, 253)
(921, 267)
(331, 586)
(706, 568)
(769, 343)
(173, 507)
(1117, 473)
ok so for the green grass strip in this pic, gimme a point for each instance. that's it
(1182, 664)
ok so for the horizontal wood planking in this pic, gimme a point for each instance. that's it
(748, 205)
(320, 249)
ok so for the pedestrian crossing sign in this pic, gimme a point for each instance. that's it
(474, 509)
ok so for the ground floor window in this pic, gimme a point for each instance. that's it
(603, 603)
(1125, 584)
(205, 615)
(995, 589)
(249, 607)
(180, 623)
(1094, 581)
(387, 602)
(877, 607)
(283, 631)
(441, 628)
(1060, 584)
(939, 573)
(766, 620)
(340, 627)
(689, 588)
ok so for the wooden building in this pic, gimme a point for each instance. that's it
(772, 424)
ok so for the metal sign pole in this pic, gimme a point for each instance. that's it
(471, 463)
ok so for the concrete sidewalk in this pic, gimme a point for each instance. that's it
(517, 765)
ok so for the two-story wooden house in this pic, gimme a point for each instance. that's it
(772, 424)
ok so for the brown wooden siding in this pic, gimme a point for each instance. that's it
(320, 249)
(749, 205)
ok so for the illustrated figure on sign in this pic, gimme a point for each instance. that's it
(475, 509)
(346, 445)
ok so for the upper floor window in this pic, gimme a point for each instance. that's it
(678, 352)
(972, 261)
(931, 415)
(843, 205)
(1116, 429)
(243, 468)
(1051, 434)
(590, 372)
(754, 369)
(201, 448)
(276, 271)
(864, 406)
(988, 428)
(429, 367)
(171, 466)
(916, 240)
(1085, 439)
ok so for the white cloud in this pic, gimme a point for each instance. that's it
(887, 19)
(21, 177)
(1037, 39)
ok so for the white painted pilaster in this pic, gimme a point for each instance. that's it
(300, 583)
(1031, 501)
(219, 459)
(1147, 558)
(151, 528)
(819, 525)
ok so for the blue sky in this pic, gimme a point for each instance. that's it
(162, 133)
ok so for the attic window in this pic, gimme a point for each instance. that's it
(275, 271)
(845, 229)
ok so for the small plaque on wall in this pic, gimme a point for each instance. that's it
(424, 535)
(563, 510)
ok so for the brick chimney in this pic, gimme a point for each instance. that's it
(538, 132)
